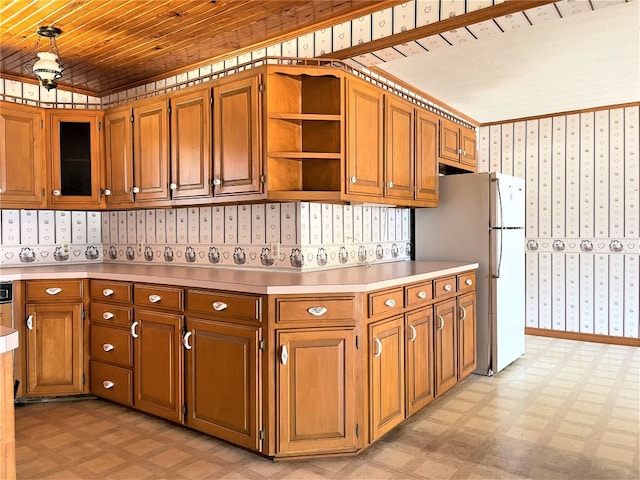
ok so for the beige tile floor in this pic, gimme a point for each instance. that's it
(566, 410)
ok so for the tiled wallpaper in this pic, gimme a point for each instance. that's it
(582, 175)
(309, 236)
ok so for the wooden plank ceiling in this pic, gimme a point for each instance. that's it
(107, 46)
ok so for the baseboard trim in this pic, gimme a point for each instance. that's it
(585, 337)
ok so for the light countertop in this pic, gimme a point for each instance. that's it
(8, 339)
(350, 279)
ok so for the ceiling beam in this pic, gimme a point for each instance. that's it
(453, 23)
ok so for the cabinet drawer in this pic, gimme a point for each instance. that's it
(224, 304)
(158, 296)
(386, 301)
(444, 286)
(467, 282)
(418, 293)
(111, 314)
(113, 383)
(111, 345)
(315, 309)
(112, 291)
(38, 290)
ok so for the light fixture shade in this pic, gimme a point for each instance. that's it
(47, 69)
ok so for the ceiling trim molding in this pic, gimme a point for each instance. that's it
(459, 21)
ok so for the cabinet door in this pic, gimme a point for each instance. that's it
(426, 158)
(76, 161)
(419, 359)
(386, 376)
(399, 149)
(449, 144)
(237, 137)
(118, 132)
(222, 381)
(469, 152)
(466, 335)
(157, 370)
(151, 150)
(364, 139)
(315, 391)
(22, 161)
(191, 144)
(446, 351)
(54, 349)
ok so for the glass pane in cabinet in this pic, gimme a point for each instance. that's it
(75, 158)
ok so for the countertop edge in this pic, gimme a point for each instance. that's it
(8, 339)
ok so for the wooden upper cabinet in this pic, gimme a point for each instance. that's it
(469, 147)
(118, 132)
(426, 174)
(191, 144)
(364, 164)
(399, 148)
(457, 145)
(449, 141)
(76, 168)
(237, 124)
(22, 160)
(151, 167)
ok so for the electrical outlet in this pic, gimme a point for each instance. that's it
(65, 248)
(140, 247)
(275, 249)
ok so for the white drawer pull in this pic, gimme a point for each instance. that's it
(447, 288)
(468, 281)
(219, 306)
(107, 347)
(413, 333)
(317, 311)
(107, 292)
(133, 329)
(108, 384)
(185, 341)
(53, 290)
(390, 302)
(155, 298)
(378, 351)
(30, 322)
(463, 313)
(422, 294)
(284, 355)
(441, 319)
(108, 315)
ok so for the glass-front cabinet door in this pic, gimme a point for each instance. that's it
(75, 159)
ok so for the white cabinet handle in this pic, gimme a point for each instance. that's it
(1, 191)
(463, 314)
(185, 341)
(422, 294)
(107, 192)
(464, 153)
(378, 351)
(108, 315)
(441, 326)
(107, 292)
(390, 184)
(447, 288)
(353, 179)
(284, 355)
(154, 298)
(468, 281)
(57, 193)
(390, 302)
(219, 306)
(217, 182)
(133, 329)
(135, 189)
(459, 151)
(53, 290)
(107, 384)
(107, 347)
(173, 186)
(413, 333)
(30, 322)
(317, 311)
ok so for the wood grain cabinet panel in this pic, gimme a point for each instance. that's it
(316, 409)
(118, 143)
(426, 173)
(446, 347)
(419, 359)
(399, 149)
(22, 159)
(467, 354)
(222, 381)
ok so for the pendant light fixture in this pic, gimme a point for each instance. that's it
(47, 69)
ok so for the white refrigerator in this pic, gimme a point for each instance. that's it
(480, 219)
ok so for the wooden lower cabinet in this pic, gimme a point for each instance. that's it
(222, 380)
(315, 394)
(386, 376)
(55, 349)
(467, 354)
(158, 364)
(419, 359)
(445, 346)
